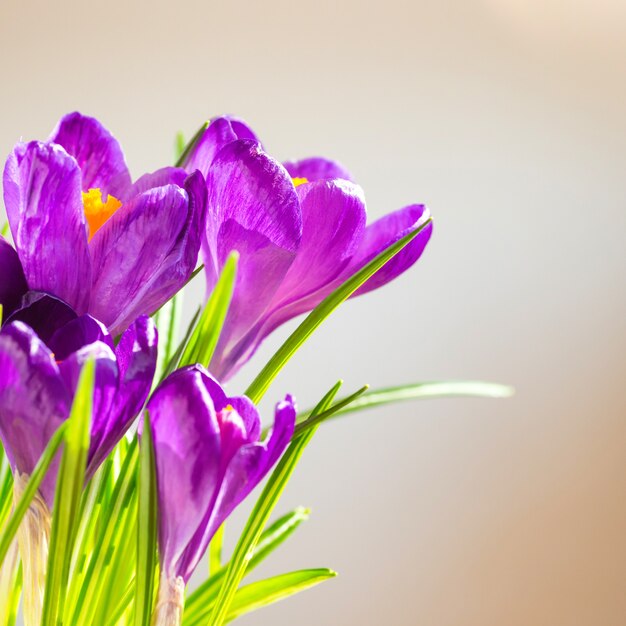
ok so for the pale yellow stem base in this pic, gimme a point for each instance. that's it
(170, 602)
(33, 538)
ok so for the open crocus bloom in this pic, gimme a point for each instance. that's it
(38, 382)
(208, 459)
(300, 230)
(88, 236)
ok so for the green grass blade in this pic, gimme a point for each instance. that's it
(67, 497)
(215, 550)
(190, 146)
(260, 514)
(31, 489)
(265, 592)
(167, 321)
(261, 383)
(199, 602)
(107, 540)
(316, 420)
(179, 145)
(204, 338)
(174, 361)
(146, 528)
(443, 389)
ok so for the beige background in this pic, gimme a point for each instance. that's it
(507, 118)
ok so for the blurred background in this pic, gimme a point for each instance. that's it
(507, 117)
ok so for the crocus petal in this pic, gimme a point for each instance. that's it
(136, 356)
(96, 151)
(207, 461)
(334, 215)
(12, 281)
(160, 178)
(221, 132)
(33, 400)
(187, 452)
(77, 333)
(44, 313)
(106, 386)
(384, 233)
(317, 168)
(146, 252)
(44, 204)
(247, 468)
(253, 208)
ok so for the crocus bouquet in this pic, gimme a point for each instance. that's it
(123, 453)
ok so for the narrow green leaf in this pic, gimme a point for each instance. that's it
(179, 145)
(260, 514)
(167, 320)
(70, 482)
(174, 361)
(277, 533)
(146, 527)
(261, 383)
(5, 229)
(215, 550)
(199, 602)
(316, 420)
(190, 146)
(204, 338)
(402, 393)
(112, 525)
(265, 592)
(31, 489)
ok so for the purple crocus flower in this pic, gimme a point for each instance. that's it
(208, 459)
(12, 282)
(88, 236)
(38, 381)
(300, 230)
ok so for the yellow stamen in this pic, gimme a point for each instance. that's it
(229, 407)
(299, 181)
(98, 211)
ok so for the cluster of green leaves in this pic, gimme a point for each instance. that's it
(103, 558)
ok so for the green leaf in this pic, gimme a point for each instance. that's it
(402, 393)
(35, 480)
(199, 603)
(146, 528)
(174, 361)
(190, 146)
(167, 320)
(315, 420)
(262, 382)
(67, 497)
(5, 229)
(179, 145)
(112, 527)
(266, 592)
(204, 338)
(215, 550)
(260, 514)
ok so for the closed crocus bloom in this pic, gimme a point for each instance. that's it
(300, 230)
(88, 236)
(208, 459)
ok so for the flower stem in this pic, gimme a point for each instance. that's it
(33, 538)
(170, 602)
